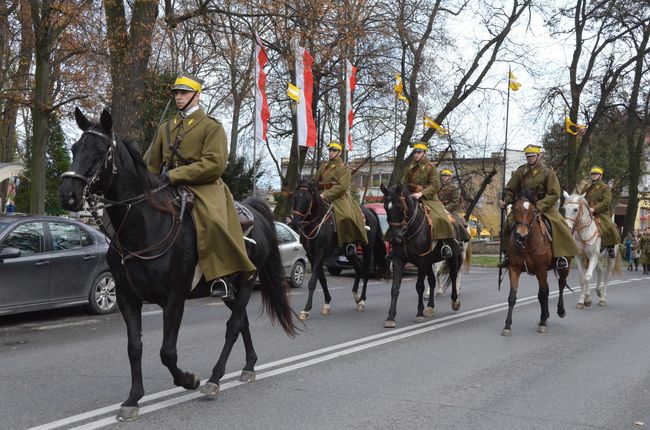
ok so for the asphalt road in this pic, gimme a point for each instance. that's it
(67, 369)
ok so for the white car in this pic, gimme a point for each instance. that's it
(294, 257)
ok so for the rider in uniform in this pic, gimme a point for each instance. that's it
(423, 181)
(333, 180)
(543, 181)
(599, 196)
(191, 149)
(449, 195)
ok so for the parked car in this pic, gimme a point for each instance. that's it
(49, 262)
(335, 264)
(294, 257)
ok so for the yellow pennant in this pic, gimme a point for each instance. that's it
(293, 92)
(429, 123)
(512, 82)
(399, 88)
(570, 125)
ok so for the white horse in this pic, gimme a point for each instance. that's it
(441, 282)
(585, 232)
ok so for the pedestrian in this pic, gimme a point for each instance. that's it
(644, 247)
(628, 250)
(635, 252)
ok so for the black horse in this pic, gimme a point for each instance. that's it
(153, 254)
(315, 220)
(412, 243)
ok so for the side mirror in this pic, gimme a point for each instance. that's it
(9, 252)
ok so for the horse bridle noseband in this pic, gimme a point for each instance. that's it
(576, 225)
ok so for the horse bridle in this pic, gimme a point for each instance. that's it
(576, 225)
(406, 222)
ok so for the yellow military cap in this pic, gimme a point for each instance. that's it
(187, 82)
(420, 145)
(335, 145)
(532, 150)
(446, 172)
(597, 169)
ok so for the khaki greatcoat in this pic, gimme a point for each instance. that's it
(449, 195)
(644, 246)
(543, 181)
(219, 236)
(334, 180)
(424, 177)
(599, 196)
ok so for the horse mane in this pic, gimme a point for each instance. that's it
(527, 194)
(148, 181)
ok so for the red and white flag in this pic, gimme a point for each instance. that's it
(350, 84)
(305, 82)
(262, 113)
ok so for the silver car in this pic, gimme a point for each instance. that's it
(294, 257)
(49, 262)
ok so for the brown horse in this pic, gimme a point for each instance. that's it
(529, 250)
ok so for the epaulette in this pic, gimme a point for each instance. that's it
(214, 119)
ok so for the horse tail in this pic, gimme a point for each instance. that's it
(444, 274)
(275, 299)
(468, 257)
(618, 265)
(379, 251)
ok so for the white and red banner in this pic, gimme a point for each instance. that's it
(262, 113)
(350, 84)
(305, 82)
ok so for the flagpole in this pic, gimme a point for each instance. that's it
(395, 130)
(503, 186)
(255, 62)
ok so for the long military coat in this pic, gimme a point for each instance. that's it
(449, 195)
(599, 196)
(544, 183)
(334, 179)
(219, 236)
(644, 246)
(426, 176)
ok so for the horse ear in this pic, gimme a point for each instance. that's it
(106, 121)
(383, 188)
(80, 118)
(566, 195)
(582, 196)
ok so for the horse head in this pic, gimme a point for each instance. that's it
(576, 211)
(397, 204)
(524, 212)
(304, 198)
(93, 162)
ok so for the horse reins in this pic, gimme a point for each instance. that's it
(577, 227)
(406, 222)
(316, 230)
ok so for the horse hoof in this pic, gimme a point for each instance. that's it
(128, 413)
(428, 311)
(196, 381)
(210, 389)
(419, 319)
(361, 306)
(599, 292)
(247, 376)
(455, 305)
(542, 329)
(390, 324)
(357, 297)
(602, 303)
(580, 306)
(325, 310)
(561, 313)
(304, 315)
(506, 332)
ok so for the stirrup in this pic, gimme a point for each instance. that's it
(350, 249)
(445, 251)
(611, 252)
(561, 263)
(220, 289)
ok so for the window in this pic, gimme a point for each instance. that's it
(86, 239)
(65, 236)
(29, 238)
(284, 235)
(376, 180)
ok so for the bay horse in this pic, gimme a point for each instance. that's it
(585, 232)
(529, 250)
(153, 254)
(412, 243)
(314, 218)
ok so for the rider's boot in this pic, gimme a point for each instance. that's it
(445, 251)
(221, 289)
(611, 253)
(561, 263)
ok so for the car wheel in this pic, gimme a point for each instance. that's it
(102, 299)
(298, 273)
(334, 271)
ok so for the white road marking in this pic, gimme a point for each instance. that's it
(67, 324)
(321, 355)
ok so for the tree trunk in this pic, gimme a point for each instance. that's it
(40, 113)
(236, 111)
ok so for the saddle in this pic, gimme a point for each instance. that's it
(246, 218)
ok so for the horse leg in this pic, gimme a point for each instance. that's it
(602, 292)
(454, 270)
(131, 309)
(419, 287)
(248, 372)
(440, 291)
(584, 284)
(431, 279)
(398, 268)
(365, 271)
(561, 312)
(542, 296)
(326, 292)
(317, 269)
(172, 317)
(593, 265)
(512, 299)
